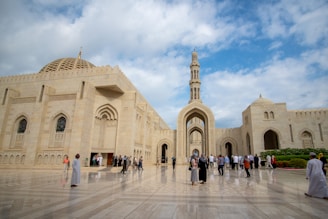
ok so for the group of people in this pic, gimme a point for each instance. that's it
(316, 174)
(315, 170)
(199, 165)
(76, 169)
(125, 162)
(97, 160)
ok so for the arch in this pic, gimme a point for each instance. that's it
(61, 124)
(58, 129)
(266, 115)
(306, 137)
(228, 146)
(17, 159)
(20, 129)
(195, 110)
(164, 154)
(271, 115)
(271, 140)
(107, 111)
(195, 152)
(22, 126)
(168, 150)
(22, 160)
(59, 114)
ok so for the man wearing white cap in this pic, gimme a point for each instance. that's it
(317, 180)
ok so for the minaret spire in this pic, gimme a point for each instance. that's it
(80, 53)
(194, 82)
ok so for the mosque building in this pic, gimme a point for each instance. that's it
(72, 106)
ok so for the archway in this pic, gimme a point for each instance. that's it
(228, 147)
(307, 141)
(195, 134)
(164, 154)
(195, 152)
(271, 140)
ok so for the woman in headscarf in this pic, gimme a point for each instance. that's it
(202, 164)
(194, 168)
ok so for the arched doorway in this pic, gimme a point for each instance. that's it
(307, 141)
(164, 154)
(228, 147)
(196, 134)
(271, 140)
(195, 152)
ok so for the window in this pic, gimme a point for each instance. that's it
(61, 124)
(22, 126)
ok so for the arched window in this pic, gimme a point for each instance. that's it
(61, 124)
(22, 126)
(266, 115)
(271, 115)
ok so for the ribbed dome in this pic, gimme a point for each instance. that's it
(262, 101)
(66, 64)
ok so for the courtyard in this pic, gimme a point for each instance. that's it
(157, 192)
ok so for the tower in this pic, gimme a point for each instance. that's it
(194, 82)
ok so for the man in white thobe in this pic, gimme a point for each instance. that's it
(76, 173)
(317, 180)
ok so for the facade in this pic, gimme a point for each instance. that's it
(72, 106)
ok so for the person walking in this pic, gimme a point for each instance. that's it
(251, 160)
(235, 162)
(256, 161)
(66, 163)
(274, 162)
(324, 162)
(268, 160)
(202, 164)
(227, 161)
(124, 169)
(76, 173)
(173, 162)
(247, 165)
(317, 180)
(220, 162)
(140, 163)
(194, 170)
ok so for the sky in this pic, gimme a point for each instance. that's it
(277, 49)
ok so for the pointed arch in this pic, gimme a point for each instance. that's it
(107, 111)
(164, 149)
(228, 146)
(20, 129)
(105, 128)
(306, 137)
(58, 130)
(204, 114)
(271, 140)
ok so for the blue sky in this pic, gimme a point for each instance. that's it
(246, 48)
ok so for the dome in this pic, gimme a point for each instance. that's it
(262, 101)
(66, 64)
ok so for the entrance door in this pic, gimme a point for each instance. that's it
(109, 159)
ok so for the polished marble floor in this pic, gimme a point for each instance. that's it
(157, 192)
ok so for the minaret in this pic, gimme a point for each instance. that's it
(194, 82)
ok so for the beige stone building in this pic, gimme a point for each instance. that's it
(72, 106)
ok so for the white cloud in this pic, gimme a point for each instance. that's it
(287, 80)
(152, 42)
(306, 20)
